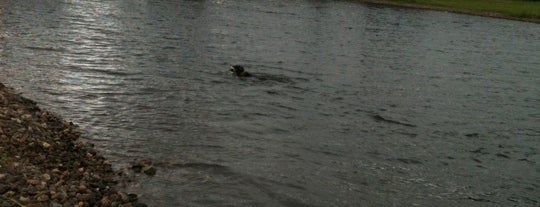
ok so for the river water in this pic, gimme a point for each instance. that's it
(350, 104)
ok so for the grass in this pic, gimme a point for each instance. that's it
(514, 9)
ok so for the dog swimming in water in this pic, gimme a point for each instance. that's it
(239, 71)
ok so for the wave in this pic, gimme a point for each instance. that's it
(195, 165)
(379, 118)
(51, 49)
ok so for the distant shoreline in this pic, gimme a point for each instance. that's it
(414, 5)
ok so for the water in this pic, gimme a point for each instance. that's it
(352, 105)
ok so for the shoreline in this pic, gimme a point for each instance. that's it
(445, 9)
(43, 161)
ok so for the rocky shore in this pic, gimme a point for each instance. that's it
(44, 163)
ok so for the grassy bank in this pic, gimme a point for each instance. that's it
(526, 10)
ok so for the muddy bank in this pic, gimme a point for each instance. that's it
(43, 162)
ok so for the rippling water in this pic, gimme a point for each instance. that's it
(351, 105)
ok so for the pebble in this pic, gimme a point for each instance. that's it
(82, 188)
(144, 166)
(105, 201)
(42, 198)
(24, 199)
(84, 197)
(151, 171)
(46, 177)
(33, 182)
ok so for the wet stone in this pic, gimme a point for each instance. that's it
(42, 198)
(150, 171)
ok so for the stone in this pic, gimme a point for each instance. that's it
(46, 177)
(105, 201)
(42, 198)
(150, 171)
(55, 204)
(132, 197)
(82, 188)
(24, 199)
(33, 181)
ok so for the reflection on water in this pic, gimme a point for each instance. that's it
(352, 105)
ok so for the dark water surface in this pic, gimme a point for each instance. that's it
(352, 105)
